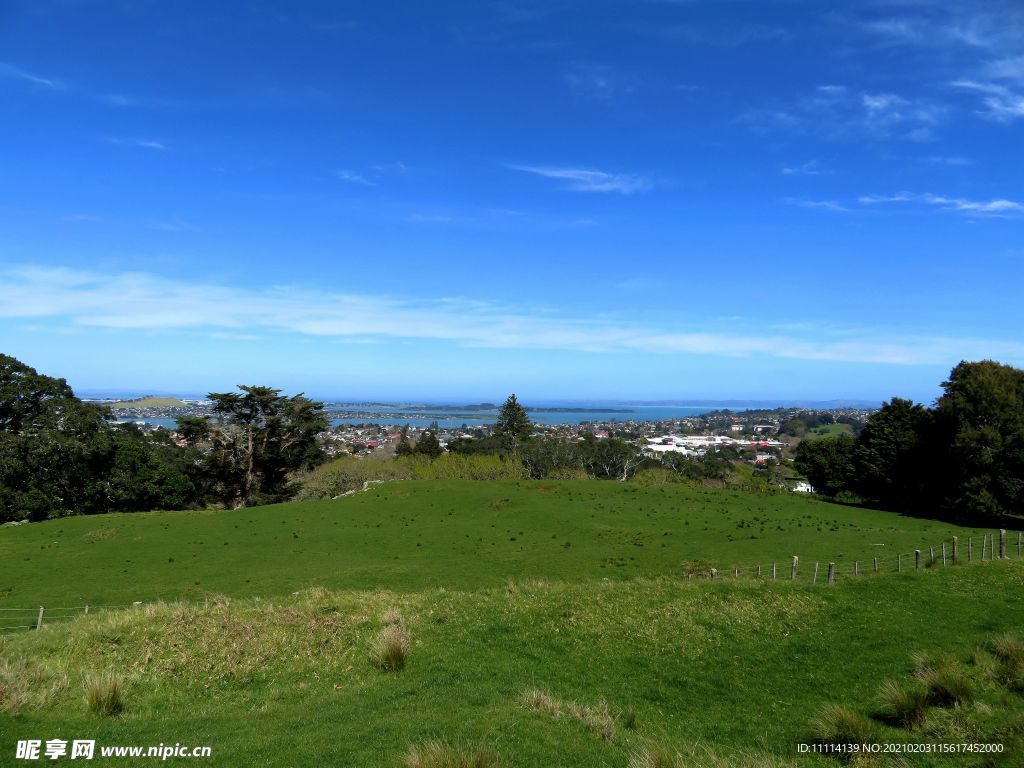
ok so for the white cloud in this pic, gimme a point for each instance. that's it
(352, 177)
(998, 207)
(144, 302)
(8, 70)
(810, 168)
(821, 205)
(141, 143)
(590, 180)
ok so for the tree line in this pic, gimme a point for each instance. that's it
(961, 459)
(61, 456)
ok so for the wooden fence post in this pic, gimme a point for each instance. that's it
(773, 571)
(943, 553)
(876, 565)
(792, 573)
(899, 563)
(713, 573)
(689, 577)
(39, 618)
(87, 610)
(736, 573)
(1019, 536)
(1002, 543)
(956, 543)
(856, 568)
(815, 579)
(917, 558)
(931, 555)
(831, 573)
(759, 571)
(970, 548)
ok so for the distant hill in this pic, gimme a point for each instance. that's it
(149, 402)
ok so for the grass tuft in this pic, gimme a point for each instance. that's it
(597, 719)
(947, 685)
(438, 754)
(837, 724)
(391, 648)
(1009, 652)
(654, 757)
(902, 705)
(103, 694)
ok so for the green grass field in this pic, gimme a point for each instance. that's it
(735, 667)
(148, 402)
(412, 535)
(574, 589)
(830, 430)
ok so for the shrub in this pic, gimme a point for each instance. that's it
(390, 648)
(438, 754)
(654, 757)
(904, 706)
(103, 694)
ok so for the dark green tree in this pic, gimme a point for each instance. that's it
(254, 440)
(980, 424)
(429, 445)
(403, 447)
(827, 463)
(891, 466)
(513, 424)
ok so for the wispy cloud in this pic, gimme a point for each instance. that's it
(1001, 103)
(140, 143)
(821, 205)
(998, 207)
(10, 71)
(598, 81)
(838, 112)
(590, 180)
(810, 168)
(144, 302)
(353, 178)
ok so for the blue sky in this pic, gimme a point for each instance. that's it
(638, 199)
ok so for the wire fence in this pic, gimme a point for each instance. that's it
(956, 551)
(996, 545)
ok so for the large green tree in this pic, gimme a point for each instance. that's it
(891, 461)
(60, 456)
(980, 422)
(513, 425)
(255, 438)
(827, 463)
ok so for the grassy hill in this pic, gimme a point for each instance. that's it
(728, 673)
(412, 535)
(149, 402)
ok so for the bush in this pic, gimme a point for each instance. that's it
(103, 694)
(438, 754)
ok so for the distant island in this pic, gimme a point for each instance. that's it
(148, 402)
(484, 407)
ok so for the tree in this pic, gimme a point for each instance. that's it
(827, 463)
(980, 421)
(513, 425)
(60, 456)
(403, 447)
(429, 445)
(890, 457)
(609, 458)
(257, 438)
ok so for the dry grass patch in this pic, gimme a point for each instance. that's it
(104, 694)
(1009, 652)
(27, 685)
(439, 754)
(598, 718)
(391, 648)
